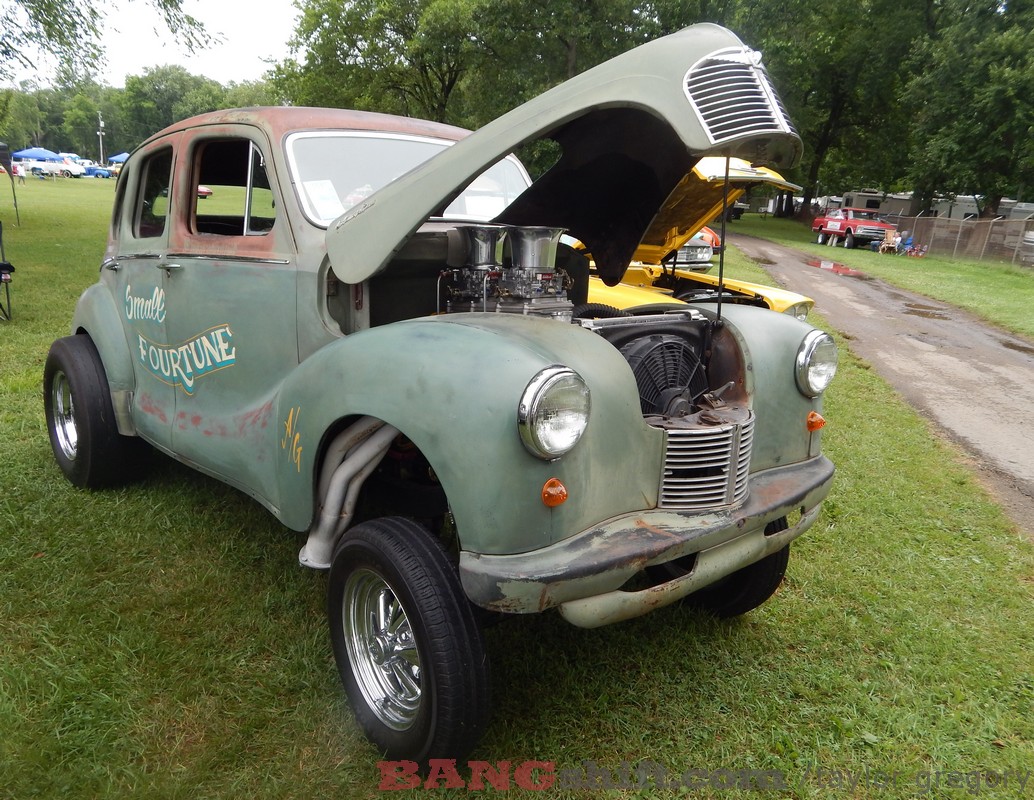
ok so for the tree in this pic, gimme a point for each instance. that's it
(400, 56)
(161, 96)
(534, 46)
(460, 61)
(973, 104)
(71, 31)
(20, 119)
(840, 75)
(250, 93)
(80, 125)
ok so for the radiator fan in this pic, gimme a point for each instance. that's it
(668, 372)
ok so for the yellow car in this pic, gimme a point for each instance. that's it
(655, 277)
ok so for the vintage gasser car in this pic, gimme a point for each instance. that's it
(375, 327)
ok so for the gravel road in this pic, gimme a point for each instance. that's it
(974, 381)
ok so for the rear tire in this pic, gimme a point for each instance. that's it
(81, 419)
(821, 238)
(409, 652)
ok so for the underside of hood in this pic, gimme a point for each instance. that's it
(698, 199)
(631, 131)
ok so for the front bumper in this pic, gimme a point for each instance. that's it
(583, 574)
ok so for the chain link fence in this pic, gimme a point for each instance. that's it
(1005, 240)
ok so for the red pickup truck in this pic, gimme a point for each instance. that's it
(850, 225)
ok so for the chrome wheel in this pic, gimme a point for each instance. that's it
(407, 646)
(65, 431)
(81, 422)
(381, 648)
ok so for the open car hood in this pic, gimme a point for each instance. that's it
(699, 199)
(631, 131)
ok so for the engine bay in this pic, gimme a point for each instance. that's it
(510, 269)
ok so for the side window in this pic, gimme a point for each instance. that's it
(233, 193)
(152, 203)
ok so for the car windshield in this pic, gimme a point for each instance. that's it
(335, 171)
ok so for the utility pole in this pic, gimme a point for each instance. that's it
(100, 137)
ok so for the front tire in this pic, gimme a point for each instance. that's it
(740, 592)
(81, 419)
(408, 649)
(849, 241)
(745, 589)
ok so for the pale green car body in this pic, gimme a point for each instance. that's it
(289, 364)
(374, 326)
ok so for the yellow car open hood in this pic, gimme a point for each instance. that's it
(699, 199)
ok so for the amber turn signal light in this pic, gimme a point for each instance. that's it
(815, 421)
(553, 493)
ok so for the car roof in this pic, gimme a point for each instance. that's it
(278, 121)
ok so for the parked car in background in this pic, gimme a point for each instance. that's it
(63, 167)
(646, 289)
(698, 252)
(737, 210)
(851, 226)
(664, 274)
(381, 333)
(1027, 248)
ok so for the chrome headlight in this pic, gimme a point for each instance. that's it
(553, 412)
(816, 363)
(798, 311)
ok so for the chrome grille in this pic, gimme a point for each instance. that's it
(733, 96)
(708, 466)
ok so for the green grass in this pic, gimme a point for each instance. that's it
(998, 292)
(161, 641)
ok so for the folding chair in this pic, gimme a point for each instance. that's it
(888, 245)
(6, 270)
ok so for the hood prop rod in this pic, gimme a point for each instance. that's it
(717, 323)
(721, 249)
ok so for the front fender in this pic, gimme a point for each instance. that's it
(452, 384)
(771, 342)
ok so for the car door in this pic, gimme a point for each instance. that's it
(138, 266)
(231, 308)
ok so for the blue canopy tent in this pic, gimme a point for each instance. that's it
(37, 154)
(119, 158)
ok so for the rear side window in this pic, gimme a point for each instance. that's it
(232, 192)
(152, 203)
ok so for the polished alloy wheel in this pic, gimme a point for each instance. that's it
(381, 648)
(64, 416)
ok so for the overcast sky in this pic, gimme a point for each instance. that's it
(251, 30)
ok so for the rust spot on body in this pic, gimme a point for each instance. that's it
(148, 406)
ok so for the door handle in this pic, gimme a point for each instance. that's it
(169, 267)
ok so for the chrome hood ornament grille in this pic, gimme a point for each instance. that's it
(734, 97)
